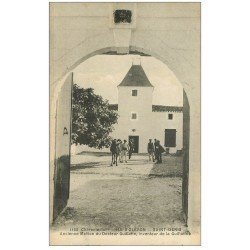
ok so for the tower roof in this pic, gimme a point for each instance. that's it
(136, 77)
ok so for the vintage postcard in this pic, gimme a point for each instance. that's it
(125, 123)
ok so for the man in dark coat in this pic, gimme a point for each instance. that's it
(131, 148)
(161, 150)
(114, 152)
(151, 150)
(156, 152)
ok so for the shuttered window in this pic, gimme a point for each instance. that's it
(170, 116)
(134, 116)
(134, 92)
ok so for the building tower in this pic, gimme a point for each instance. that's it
(135, 95)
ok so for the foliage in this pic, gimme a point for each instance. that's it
(92, 120)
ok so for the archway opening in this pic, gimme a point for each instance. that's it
(176, 155)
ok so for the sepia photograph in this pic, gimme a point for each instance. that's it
(124, 123)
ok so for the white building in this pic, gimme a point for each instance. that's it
(140, 120)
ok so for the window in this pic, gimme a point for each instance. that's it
(134, 116)
(170, 116)
(134, 92)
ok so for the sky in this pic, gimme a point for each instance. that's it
(104, 72)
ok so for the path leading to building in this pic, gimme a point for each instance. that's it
(134, 194)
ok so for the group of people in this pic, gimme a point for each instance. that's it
(155, 150)
(119, 150)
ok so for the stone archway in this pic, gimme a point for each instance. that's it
(186, 126)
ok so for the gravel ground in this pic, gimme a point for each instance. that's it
(136, 194)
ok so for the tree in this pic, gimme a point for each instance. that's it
(92, 119)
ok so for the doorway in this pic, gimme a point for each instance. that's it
(170, 138)
(135, 140)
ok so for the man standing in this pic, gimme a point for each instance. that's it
(156, 150)
(124, 150)
(161, 150)
(119, 149)
(151, 150)
(131, 148)
(113, 150)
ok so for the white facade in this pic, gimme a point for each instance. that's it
(162, 122)
(148, 124)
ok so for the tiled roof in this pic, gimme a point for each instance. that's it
(136, 77)
(155, 108)
(161, 108)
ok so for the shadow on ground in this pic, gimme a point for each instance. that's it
(171, 166)
(97, 154)
(84, 165)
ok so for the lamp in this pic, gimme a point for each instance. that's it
(65, 131)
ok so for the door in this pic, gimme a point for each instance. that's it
(170, 138)
(186, 129)
(62, 147)
(135, 140)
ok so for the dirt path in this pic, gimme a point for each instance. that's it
(136, 194)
